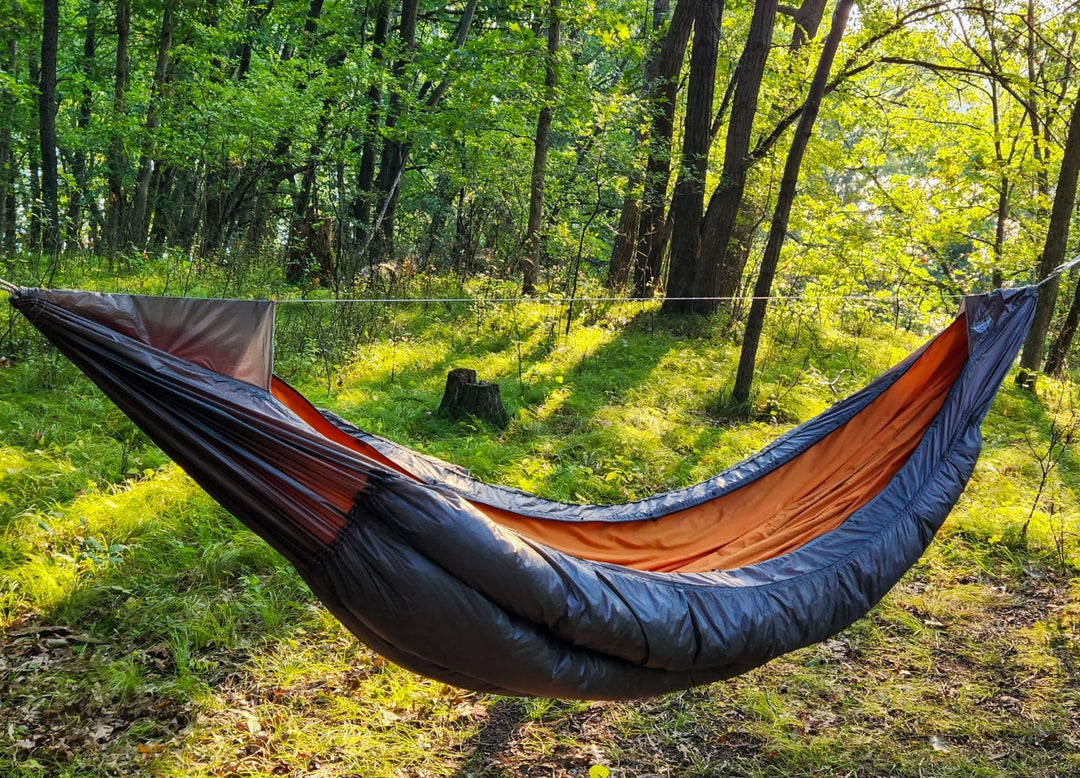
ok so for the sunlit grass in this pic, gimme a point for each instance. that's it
(144, 632)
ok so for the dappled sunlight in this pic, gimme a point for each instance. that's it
(188, 648)
(52, 553)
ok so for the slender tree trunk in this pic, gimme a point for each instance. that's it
(33, 146)
(167, 208)
(724, 205)
(139, 209)
(1070, 169)
(1001, 218)
(1001, 214)
(298, 258)
(1057, 238)
(652, 234)
(365, 178)
(624, 246)
(307, 250)
(50, 203)
(1032, 353)
(7, 151)
(807, 20)
(778, 230)
(689, 198)
(1059, 349)
(78, 160)
(186, 193)
(531, 249)
(256, 12)
(395, 147)
(752, 210)
(117, 162)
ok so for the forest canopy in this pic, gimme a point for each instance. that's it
(700, 149)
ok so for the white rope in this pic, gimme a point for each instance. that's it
(562, 300)
(1060, 269)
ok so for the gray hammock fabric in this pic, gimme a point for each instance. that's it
(403, 548)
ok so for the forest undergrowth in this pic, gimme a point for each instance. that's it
(144, 632)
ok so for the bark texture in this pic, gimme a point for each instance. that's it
(689, 198)
(778, 229)
(531, 250)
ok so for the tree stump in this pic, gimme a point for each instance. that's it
(466, 396)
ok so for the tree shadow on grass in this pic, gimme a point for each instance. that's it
(503, 722)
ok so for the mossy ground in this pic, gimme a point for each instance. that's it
(144, 632)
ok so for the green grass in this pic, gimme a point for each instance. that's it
(144, 632)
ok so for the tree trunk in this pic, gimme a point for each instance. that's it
(807, 20)
(465, 396)
(365, 178)
(1032, 353)
(752, 211)
(724, 205)
(623, 248)
(1057, 238)
(167, 207)
(1001, 215)
(395, 148)
(1001, 219)
(309, 248)
(1059, 349)
(50, 204)
(7, 151)
(82, 122)
(689, 197)
(117, 163)
(652, 235)
(778, 230)
(531, 249)
(33, 146)
(139, 209)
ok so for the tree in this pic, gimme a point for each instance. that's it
(139, 204)
(50, 29)
(697, 275)
(1053, 253)
(1057, 238)
(724, 205)
(82, 124)
(532, 246)
(641, 236)
(778, 230)
(117, 158)
(689, 197)
(8, 173)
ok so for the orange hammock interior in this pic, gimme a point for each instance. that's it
(776, 513)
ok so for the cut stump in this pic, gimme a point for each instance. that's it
(465, 396)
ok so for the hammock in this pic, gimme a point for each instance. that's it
(493, 589)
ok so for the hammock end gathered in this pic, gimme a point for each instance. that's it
(8, 287)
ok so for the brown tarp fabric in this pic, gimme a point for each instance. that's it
(232, 337)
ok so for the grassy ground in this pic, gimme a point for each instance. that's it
(144, 632)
